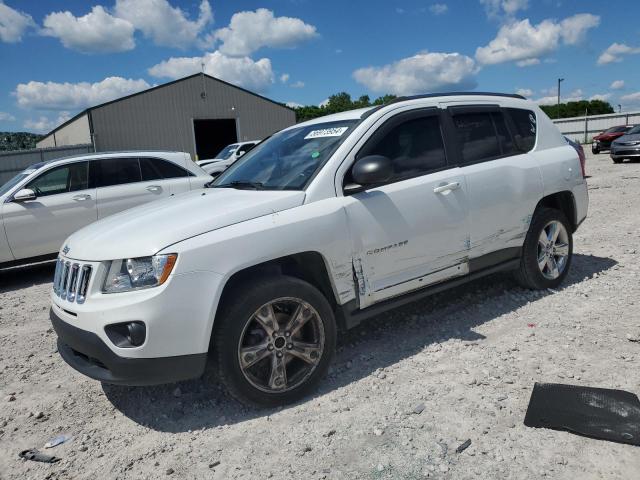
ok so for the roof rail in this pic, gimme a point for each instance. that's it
(451, 94)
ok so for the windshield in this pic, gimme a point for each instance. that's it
(287, 160)
(635, 129)
(226, 151)
(12, 183)
(617, 129)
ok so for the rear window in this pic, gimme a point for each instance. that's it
(477, 136)
(115, 171)
(524, 122)
(157, 169)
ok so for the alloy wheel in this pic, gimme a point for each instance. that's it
(281, 345)
(553, 250)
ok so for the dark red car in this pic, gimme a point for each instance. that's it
(603, 140)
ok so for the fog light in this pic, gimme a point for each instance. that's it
(127, 335)
(137, 332)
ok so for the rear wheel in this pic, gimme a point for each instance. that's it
(547, 251)
(274, 341)
(595, 150)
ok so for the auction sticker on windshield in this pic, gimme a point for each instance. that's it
(326, 132)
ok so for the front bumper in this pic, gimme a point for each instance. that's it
(625, 151)
(89, 355)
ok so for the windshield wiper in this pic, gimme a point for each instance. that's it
(240, 184)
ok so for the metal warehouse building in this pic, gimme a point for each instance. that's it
(198, 114)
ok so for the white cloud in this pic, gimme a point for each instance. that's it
(399, 11)
(166, 25)
(95, 32)
(525, 92)
(614, 53)
(243, 71)
(438, 8)
(298, 84)
(284, 78)
(249, 31)
(523, 42)
(45, 124)
(324, 103)
(294, 105)
(68, 96)
(552, 99)
(13, 24)
(617, 85)
(6, 117)
(504, 8)
(424, 72)
(632, 98)
(600, 96)
(528, 62)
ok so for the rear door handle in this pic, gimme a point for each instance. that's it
(82, 197)
(447, 188)
(154, 188)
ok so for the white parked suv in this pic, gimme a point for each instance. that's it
(229, 154)
(324, 224)
(41, 206)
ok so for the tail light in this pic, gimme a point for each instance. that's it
(583, 160)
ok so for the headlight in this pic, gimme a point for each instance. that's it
(138, 273)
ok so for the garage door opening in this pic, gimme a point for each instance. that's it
(213, 135)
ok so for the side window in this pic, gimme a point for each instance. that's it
(115, 171)
(415, 147)
(524, 122)
(507, 145)
(63, 179)
(157, 169)
(477, 136)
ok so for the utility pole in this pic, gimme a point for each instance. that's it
(619, 108)
(559, 80)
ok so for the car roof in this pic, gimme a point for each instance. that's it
(116, 154)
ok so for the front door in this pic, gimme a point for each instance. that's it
(413, 231)
(63, 204)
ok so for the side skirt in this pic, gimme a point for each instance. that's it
(503, 260)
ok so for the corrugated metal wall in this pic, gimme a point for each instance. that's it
(16, 161)
(163, 118)
(583, 129)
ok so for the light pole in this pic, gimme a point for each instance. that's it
(619, 108)
(559, 80)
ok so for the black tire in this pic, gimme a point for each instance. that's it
(617, 160)
(529, 274)
(595, 151)
(237, 314)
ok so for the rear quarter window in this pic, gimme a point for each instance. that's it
(526, 128)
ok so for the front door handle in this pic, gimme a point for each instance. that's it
(82, 197)
(447, 188)
(154, 188)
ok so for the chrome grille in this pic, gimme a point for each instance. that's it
(71, 280)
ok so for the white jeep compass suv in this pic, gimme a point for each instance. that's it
(317, 228)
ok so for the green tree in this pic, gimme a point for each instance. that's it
(578, 109)
(340, 102)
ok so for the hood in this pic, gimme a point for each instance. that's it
(608, 136)
(147, 229)
(635, 137)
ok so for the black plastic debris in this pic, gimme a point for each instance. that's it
(36, 456)
(463, 446)
(600, 413)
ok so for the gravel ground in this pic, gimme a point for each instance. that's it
(467, 358)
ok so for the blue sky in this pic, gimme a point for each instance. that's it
(59, 57)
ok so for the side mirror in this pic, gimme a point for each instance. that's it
(372, 169)
(24, 195)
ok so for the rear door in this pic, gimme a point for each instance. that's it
(119, 185)
(64, 203)
(504, 183)
(165, 175)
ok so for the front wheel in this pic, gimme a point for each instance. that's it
(274, 341)
(617, 160)
(547, 251)
(595, 151)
